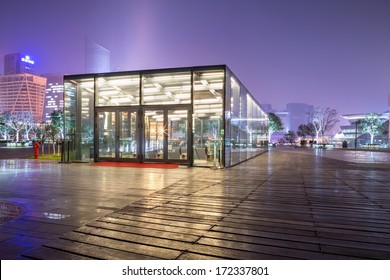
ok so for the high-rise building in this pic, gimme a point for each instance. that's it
(22, 93)
(54, 98)
(97, 58)
(18, 63)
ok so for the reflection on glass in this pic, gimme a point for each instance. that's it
(208, 96)
(177, 134)
(248, 125)
(78, 133)
(107, 134)
(154, 134)
(127, 136)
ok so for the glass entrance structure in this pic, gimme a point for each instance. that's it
(199, 116)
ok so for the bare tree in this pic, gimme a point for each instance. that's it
(4, 129)
(29, 123)
(323, 120)
(15, 123)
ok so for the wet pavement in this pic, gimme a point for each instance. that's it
(350, 155)
(284, 204)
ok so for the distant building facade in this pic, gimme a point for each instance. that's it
(54, 98)
(18, 63)
(292, 117)
(354, 137)
(97, 58)
(22, 93)
(297, 114)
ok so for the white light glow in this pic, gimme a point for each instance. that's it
(28, 60)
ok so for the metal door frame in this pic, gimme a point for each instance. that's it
(140, 132)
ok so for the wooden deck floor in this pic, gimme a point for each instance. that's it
(276, 206)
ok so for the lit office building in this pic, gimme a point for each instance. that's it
(54, 98)
(199, 116)
(22, 93)
(18, 63)
(355, 138)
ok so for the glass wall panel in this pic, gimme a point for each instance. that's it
(117, 90)
(177, 134)
(154, 134)
(228, 117)
(243, 124)
(79, 112)
(107, 133)
(167, 88)
(235, 121)
(251, 123)
(247, 125)
(207, 117)
(70, 112)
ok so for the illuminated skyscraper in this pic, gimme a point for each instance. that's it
(97, 58)
(18, 63)
(54, 99)
(22, 93)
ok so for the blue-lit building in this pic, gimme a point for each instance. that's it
(18, 63)
(198, 116)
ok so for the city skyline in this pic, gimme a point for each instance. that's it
(326, 53)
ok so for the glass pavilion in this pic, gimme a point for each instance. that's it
(199, 116)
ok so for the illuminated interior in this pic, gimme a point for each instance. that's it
(199, 116)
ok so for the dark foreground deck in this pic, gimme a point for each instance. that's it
(276, 206)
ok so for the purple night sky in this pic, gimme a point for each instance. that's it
(328, 53)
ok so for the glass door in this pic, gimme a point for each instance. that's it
(166, 135)
(177, 134)
(106, 123)
(127, 135)
(152, 134)
(117, 135)
(155, 134)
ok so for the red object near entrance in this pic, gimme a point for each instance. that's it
(36, 149)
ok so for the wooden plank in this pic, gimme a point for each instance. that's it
(279, 228)
(163, 221)
(123, 245)
(355, 252)
(243, 235)
(162, 227)
(145, 232)
(182, 217)
(92, 251)
(281, 252)
(46, 253)
(193, 256)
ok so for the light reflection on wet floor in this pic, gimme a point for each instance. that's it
(347, 155)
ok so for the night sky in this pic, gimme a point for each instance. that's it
(328, 53)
